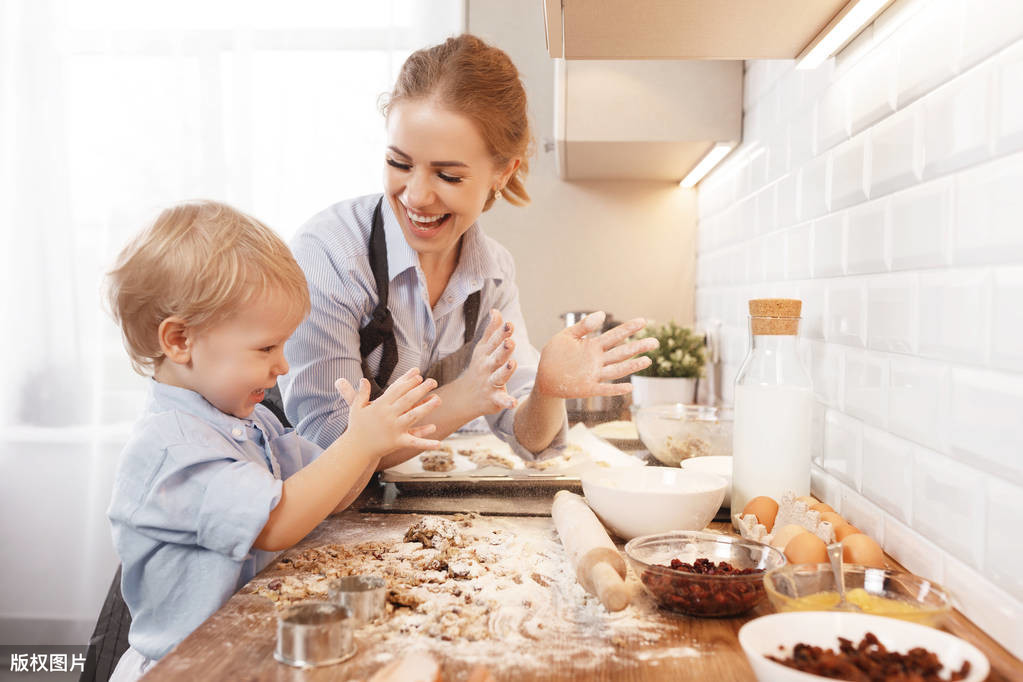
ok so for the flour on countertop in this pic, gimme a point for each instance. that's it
(481, 590)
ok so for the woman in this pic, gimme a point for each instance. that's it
(406, 279)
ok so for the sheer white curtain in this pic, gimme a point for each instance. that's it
(109, 111)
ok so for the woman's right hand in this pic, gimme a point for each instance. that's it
(492, 365)
(390, 422)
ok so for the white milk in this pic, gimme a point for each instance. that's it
(771, 449)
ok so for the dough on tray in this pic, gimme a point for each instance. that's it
(437, 460)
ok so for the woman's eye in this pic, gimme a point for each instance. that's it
(399, 165)
(453, 179)
(268, 349)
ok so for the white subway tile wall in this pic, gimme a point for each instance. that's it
(885, 189)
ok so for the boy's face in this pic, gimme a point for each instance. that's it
(234, 362)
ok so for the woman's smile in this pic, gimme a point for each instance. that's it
(425, 224)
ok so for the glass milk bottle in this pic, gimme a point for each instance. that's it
(773, 408)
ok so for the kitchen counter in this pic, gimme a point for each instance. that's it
(550, 642)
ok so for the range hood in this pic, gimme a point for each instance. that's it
(643, 120)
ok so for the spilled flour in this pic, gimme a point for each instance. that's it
(481, 590)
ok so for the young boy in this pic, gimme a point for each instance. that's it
(210, 485)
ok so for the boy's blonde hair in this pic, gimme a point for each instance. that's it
(198, 261)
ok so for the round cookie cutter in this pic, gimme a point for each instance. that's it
(364, 595)
(314, 633)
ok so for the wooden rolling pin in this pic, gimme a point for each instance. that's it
(599, 566)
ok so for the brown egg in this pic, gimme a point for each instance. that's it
(810, 500)
(843, 531)
(833, 518)
(784, 534)
(822, 507)
(860, 549)
(806, 548)
(764, 508)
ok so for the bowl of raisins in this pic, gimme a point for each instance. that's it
(702, 574)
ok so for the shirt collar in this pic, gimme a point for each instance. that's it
(164, 397)
(476, 263)
(400, 256)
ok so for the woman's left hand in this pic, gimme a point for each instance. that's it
(573, 365)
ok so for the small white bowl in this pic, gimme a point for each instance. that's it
(763, 636)
(714, 464)
(638, 501)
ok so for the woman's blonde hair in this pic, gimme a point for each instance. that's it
(479, 81)
(198, 261)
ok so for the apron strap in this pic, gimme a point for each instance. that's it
(471, 314)
(380, 328)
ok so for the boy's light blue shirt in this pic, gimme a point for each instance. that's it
(194, 489)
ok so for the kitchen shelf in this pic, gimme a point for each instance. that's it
(686, 29)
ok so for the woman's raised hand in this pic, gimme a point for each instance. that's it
(390, 422)
(574, 365)
(490, 368)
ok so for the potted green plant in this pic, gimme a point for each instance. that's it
(676, 366)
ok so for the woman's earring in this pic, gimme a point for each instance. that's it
(497, 194)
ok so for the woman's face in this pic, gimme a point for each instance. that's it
(438, 174)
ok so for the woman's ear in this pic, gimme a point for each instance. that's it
(508, 171)
(175, 340)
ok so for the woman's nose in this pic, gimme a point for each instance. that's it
(418, 193)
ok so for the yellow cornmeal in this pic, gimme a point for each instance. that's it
(869, 603)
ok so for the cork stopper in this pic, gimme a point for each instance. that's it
(775, 316)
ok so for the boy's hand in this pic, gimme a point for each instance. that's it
(389, 422)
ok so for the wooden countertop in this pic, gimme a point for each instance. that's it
(238, 641)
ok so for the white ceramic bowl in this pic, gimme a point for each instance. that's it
(764, 635)
(720, 465)
(638, 501)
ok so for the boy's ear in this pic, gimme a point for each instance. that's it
(175, 341)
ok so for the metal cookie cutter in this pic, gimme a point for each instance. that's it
(364, 595)
(314, 633)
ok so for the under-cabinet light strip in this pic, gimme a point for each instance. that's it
(711, 159)
(846, 27)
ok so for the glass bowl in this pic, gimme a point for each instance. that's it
(696, 594)
(881, 592)
(673, 432)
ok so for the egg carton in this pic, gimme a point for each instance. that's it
(790, 511)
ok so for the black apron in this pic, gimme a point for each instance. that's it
(380, 328)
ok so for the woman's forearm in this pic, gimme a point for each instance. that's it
(538, 419)
(359, 486)
(312, 493)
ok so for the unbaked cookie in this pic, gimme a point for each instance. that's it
(437, 460)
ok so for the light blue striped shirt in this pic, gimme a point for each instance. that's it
(333, 250)
(193, 490)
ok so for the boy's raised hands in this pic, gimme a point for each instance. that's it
(391, 421)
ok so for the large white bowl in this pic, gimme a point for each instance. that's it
(764, 635)
(714, 464)
(646, 500)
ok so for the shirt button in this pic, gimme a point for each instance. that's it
(237, 432)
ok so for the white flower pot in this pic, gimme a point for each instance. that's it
(654, 390)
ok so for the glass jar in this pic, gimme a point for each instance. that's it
(773, 408)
